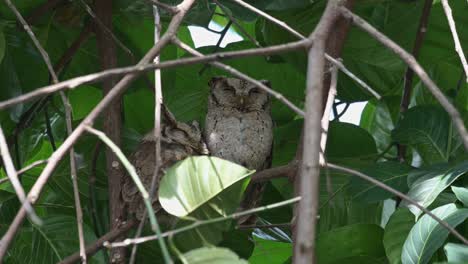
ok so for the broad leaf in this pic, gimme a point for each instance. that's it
(52, 242)
(212, 255)
(391, 173)
(267, 251)
(428, 130)
(456, 253)
(462, 194)
(83, 99)
(427, 235)
(395, 234)
(429, 183)
(362, 241)
(190, 183)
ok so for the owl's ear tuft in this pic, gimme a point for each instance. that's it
(214, 80)
(266, 83)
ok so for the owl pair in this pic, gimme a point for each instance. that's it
(238, 128)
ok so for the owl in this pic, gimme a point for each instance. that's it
(239, 128)
(178, 141)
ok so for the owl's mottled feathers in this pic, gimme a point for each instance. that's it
(178, 141)
(239, 128)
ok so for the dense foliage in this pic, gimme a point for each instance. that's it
(359, 222)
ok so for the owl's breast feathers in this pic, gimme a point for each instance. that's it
(242, 137)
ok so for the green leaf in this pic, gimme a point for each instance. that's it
(427, 235)
(391, 173)
(212, 255)
(2, 44)
(350, 145)
(428, 129)
(190, 183)
(378, 120)
(350, 243)
(273, 252)
(396, 232)
(462, 194)
(457, 253)
(50, 243)
(430, 182)
(83, 99)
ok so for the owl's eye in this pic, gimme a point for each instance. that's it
(254, 91)
(228, 89)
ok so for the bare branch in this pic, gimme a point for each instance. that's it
(242, 76)
(453, 28)
(399, 194)
(13, 177)
(25, 169)
(274, 173)
(411, 62)
(98, 244)
(304, 244)
(74, 175)
(118, 89)
(408, 86)
(199, 223)
(158, 100)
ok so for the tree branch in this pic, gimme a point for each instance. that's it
(304, 245)
(405, 99)
(453, 29)
(411, 62)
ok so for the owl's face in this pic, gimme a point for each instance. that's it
(238, 94)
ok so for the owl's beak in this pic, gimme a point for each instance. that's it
(242, 102)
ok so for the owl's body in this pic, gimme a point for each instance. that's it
(178, 141)
(239, 127)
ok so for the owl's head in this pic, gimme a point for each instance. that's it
(238, 94)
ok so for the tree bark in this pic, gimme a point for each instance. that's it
(112, 122)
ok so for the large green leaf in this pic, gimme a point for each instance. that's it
(391, 173)
(50, 243)
(190, 183)
(430, 182)
(377, 118)
(273, 252)
(212, 255)
(351, 244)
(428, 129)
(456, 253)
(395, 234)
(462, 194)
(427, 235)
(83, 100)
(350, 145)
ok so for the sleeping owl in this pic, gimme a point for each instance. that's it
(239, 128)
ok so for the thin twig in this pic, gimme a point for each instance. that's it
(243, 227)
(98, 244)
(411, 61)
(74, 175)
(218, 43)
(13, 177)
(199, 223)
(143, 67)
(158, 100)
(453, 28)
(285, 26)
(242, 76)
(136, 179)
(118, 89)
(237, 24)
(399, 194)
(23, 170)
(408, 85)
